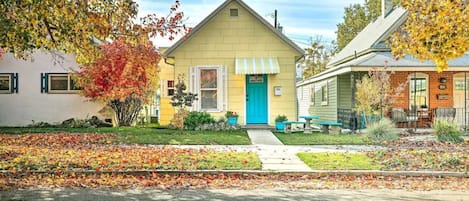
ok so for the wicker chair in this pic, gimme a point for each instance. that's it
(399, 116)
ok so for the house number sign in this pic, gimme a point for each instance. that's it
(256, 79)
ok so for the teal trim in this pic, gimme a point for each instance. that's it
(256, 100)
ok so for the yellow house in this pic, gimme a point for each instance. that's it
(236, 61)
(166, 77)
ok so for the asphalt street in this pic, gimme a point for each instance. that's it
(227, 194)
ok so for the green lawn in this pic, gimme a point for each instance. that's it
(145, 135)
(321, 139)
(338, 161)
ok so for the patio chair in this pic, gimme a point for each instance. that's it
(399, 116)
(449, 113)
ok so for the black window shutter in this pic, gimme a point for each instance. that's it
(44, 82)
(14, 83)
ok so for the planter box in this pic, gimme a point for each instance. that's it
(280, 126)
(232, 121)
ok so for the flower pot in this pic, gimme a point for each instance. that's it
(232, 121)
(279, 125)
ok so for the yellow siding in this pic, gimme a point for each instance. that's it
(223, 39)
(166, 110)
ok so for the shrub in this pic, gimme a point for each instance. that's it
(178, 119)
(231, 114)
(447, 130)
(195, 119)
(281, 118)
(383, 130)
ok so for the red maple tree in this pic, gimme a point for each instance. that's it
(124, 77)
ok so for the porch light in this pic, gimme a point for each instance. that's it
(443, 80)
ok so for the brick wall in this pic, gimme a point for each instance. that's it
(402, 101)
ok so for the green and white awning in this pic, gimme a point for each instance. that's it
(259, 65)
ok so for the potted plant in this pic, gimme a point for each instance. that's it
(232, 118)
(279, 122)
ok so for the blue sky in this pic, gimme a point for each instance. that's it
(302, 20)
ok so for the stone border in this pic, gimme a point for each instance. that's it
(261, 172)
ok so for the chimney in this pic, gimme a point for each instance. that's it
(386, 7)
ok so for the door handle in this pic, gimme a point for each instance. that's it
(247, 97)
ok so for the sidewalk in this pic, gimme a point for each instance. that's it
(277, 157)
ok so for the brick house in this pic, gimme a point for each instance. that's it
(427, 94)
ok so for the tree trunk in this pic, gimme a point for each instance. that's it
(127, 111)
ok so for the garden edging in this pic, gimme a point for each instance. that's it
(260, 172)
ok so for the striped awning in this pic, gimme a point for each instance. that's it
(259, 65)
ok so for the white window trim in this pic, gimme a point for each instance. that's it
(52, 91)
(9, 83)
(419, 76)
(221, 94)
(326, 102)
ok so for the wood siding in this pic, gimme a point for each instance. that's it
(345, 91)
(325, 112)
(223, 39)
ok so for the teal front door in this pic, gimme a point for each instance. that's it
(256, 99)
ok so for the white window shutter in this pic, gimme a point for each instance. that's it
(224, 91)
(193, 87)
(164, 88)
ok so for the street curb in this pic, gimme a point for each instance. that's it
(318, 173)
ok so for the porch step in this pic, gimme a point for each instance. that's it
(258, 127)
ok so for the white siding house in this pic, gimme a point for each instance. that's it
(40, 90)
(304, 100)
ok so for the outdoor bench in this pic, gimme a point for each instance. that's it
(335, 126)
(288, 125)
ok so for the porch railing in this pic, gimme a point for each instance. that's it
(348, 118)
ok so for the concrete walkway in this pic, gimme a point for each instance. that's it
(271, 156)
(263, 137)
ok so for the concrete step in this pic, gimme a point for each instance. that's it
(258, 127)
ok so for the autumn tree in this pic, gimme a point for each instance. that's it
(316, 58)
(436, 30)
(374, 94)
(76, 26)
(124, 78)
(356, 18)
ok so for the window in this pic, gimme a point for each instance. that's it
(8, 83)
(5, 83)
(325, 94)
(234, 12)
(209, 83)
(170, 84)
(62, 83)
(313, 95)
(208, 89)
(418, 97)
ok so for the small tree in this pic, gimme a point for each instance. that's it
(316, 58)
(374, 94)
(180, 101)
(124, 78)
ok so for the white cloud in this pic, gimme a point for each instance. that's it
(299, 18)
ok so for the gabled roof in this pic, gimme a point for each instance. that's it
(371, 38)
(204, 22)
